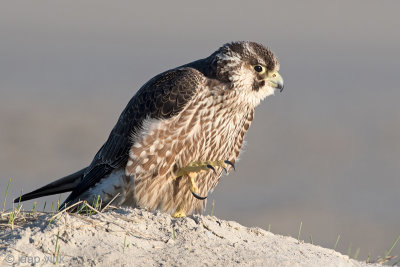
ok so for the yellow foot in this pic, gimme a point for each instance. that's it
(195, 167)
(179, 213)
(199, 166)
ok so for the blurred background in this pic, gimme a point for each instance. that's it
(324, 152)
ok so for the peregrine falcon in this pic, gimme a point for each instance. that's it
(177, 134)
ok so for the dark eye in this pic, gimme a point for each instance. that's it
(258, 68)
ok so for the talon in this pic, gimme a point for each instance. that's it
(197, 196)
(191, 171)
(230, 163)
(212, 168)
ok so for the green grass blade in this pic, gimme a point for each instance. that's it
(349, 250)
(5, 197)
(123, 249)
(356, 253)
(336, 243)
(212, 208)
(390, 250)
(298, 236)
(57, 248)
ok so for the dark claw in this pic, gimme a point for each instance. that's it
(198, 197)
(212, 168)
(230, 163)
(225, 170)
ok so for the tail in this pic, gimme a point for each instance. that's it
(66, 184)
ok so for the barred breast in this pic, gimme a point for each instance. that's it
(211, 127)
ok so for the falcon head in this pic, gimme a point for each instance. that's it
(249, 67)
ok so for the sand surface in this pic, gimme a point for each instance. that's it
(135, 237)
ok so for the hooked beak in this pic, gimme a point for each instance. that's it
(275, 80)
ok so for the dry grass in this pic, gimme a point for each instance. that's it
(17, 217)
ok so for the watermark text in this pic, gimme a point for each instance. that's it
(22, 259)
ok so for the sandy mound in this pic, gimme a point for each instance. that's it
(139, 238)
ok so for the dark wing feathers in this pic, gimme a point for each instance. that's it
(162, 97)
